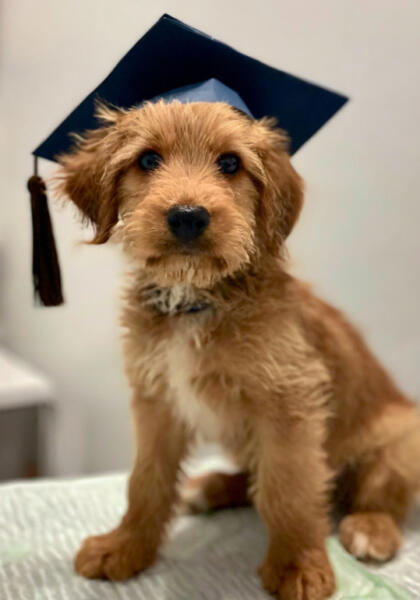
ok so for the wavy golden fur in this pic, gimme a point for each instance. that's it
(276, 375)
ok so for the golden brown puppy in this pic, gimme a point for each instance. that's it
(221, 340)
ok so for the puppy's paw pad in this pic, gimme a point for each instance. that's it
(115, 555)
(305, 580)
(370, 536)
(213, 491)
(193, 500)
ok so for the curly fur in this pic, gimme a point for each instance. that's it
(276, 375)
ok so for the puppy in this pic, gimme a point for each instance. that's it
(221, 340)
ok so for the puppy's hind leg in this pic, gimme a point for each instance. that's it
(385, 483)
(214, 491)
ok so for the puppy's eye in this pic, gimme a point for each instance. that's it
(228, 163)
(149, 160)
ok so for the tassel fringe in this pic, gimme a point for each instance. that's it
(45, 265)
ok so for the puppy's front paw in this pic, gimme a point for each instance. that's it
(116, 555)
(310, 578)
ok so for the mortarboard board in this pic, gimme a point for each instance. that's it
(175, 61)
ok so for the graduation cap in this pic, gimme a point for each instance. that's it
(175, 61)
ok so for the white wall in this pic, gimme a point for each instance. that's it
(358, 239)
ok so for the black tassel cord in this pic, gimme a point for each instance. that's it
(45, 265)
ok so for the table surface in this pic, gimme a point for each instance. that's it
(206, 557)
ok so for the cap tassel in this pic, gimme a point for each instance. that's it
(45, 266)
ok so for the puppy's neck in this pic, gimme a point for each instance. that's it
(177, 299)
(227, 295)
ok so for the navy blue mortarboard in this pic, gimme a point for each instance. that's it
(211, 90)
(175, 61)
(173, 56)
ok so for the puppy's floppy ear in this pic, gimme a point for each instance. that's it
(89, 174)
(281, 187)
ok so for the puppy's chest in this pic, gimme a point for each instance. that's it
(191, 402)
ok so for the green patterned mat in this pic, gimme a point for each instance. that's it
(355, 582)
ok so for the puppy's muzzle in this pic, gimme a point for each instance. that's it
(187, 222)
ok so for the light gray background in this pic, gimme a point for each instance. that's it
(358, 238)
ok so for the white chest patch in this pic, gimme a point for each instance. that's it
(182, 367)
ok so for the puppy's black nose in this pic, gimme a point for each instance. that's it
(187, 222)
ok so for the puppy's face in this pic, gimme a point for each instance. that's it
(196, 191)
